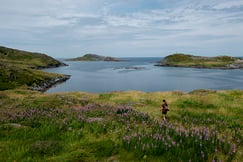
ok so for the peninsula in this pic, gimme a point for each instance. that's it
(94, 57)
(22, 69)
(186, 60)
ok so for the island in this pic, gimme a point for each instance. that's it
(94, 57)
(22, 69)
(186, 60)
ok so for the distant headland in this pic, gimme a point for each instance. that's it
(186, 60)
(21, 69)
(94, 57)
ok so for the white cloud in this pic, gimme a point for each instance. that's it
(105, 25)
(229, 4)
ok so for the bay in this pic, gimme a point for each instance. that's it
(140, 74)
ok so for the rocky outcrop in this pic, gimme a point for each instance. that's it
(49, 66)
(49, 83)
(112, 59)
(131, 68)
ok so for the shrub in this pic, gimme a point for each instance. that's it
(45, 148)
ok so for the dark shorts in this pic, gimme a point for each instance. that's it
(164, 112)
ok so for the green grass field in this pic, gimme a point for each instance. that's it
(202, 125)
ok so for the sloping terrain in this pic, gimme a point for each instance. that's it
(20, 68)
(202, 125)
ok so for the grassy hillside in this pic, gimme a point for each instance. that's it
(121, 126)
(19, 68)
(183, 60)
(27, 59)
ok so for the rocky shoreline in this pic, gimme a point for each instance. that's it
(50, 83)
(203, 67)
(49, 66)
(201, 62)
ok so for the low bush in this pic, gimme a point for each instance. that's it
(45, 148)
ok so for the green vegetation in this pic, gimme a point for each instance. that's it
(93, 57)
(121, 126)
(27, 59)
(19, 68)
(203, 125)
(13, 76)
(183, 60)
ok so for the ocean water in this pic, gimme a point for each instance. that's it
(140, 74)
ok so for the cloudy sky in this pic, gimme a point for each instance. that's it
(121, 28)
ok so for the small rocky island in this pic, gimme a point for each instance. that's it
(186, 60)
(94, 57)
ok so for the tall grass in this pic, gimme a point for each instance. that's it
(123, 126)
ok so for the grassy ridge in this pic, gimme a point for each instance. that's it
(123, 126)
(27, 59)
(19, 68)
(94, 57)
(183, 60)
(88, 57)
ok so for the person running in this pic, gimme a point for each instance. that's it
(164, 109)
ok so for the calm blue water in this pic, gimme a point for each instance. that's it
(114, 76)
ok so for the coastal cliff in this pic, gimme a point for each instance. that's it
(185, 60)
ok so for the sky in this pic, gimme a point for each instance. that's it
(123, 28)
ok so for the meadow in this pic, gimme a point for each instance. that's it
(203, 125)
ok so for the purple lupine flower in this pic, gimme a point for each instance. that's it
(134, 134)
(173, 143)
(238, 141)
(168, 137)
(234, 148)
(200, 137)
